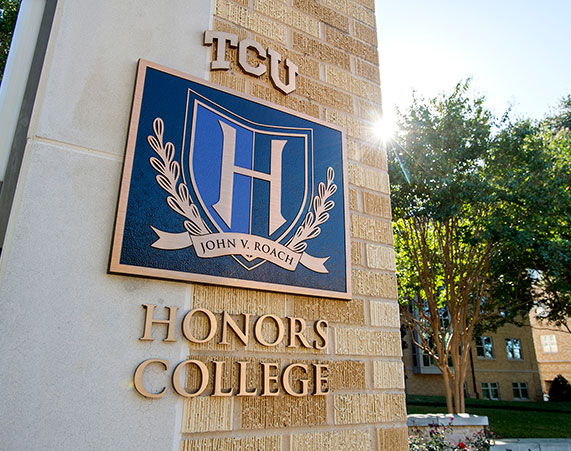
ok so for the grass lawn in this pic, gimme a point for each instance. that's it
(508, 419)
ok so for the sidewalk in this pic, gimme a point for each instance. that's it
(532, 444)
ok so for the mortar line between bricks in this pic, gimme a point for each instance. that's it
(295, 430)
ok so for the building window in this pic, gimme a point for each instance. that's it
(484, 347)
(549, 344)
(513, 349)
(427, 359)
(490, 390)
(520, 390)
(422, 362)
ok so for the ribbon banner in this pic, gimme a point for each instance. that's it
(248, 246)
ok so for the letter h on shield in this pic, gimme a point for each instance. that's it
(224, 205)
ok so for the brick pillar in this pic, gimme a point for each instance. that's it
(334, 44)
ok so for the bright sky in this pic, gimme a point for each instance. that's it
(518, 52)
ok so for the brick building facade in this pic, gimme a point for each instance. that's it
(504, 367)
(553, 351)
(512, 364)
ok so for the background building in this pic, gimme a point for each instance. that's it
(503, 365)
(515, 363)
(553, 351)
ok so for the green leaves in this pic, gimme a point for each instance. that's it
(529, 170)
(504, 185)
(442, 143)
(481, 219)
(8, 16)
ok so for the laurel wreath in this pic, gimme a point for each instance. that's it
(309, 228)
(179, 197)
(169, 172)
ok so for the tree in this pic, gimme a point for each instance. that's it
(529, 171)
(455, 271)
(555, 267)
(560, 390)
(481, 217)
(8, 15)
(443, 259)
(561, 119)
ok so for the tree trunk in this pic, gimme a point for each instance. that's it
(459, 379)
(463, 377)
(449, 405)
(459, 395)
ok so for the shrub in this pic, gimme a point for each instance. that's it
(560, 390)
(435, 440)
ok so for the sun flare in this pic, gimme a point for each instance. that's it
(384, 129)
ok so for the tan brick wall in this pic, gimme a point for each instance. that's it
(551, 363)
(206, 414)
(346, 439)
(393, 439)
(423, 384)
(267, 443)
(334, 44)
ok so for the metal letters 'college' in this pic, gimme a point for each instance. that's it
(220, 188)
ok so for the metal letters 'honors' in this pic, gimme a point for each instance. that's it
(219, 187)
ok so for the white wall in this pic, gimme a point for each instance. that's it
(68, 330)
